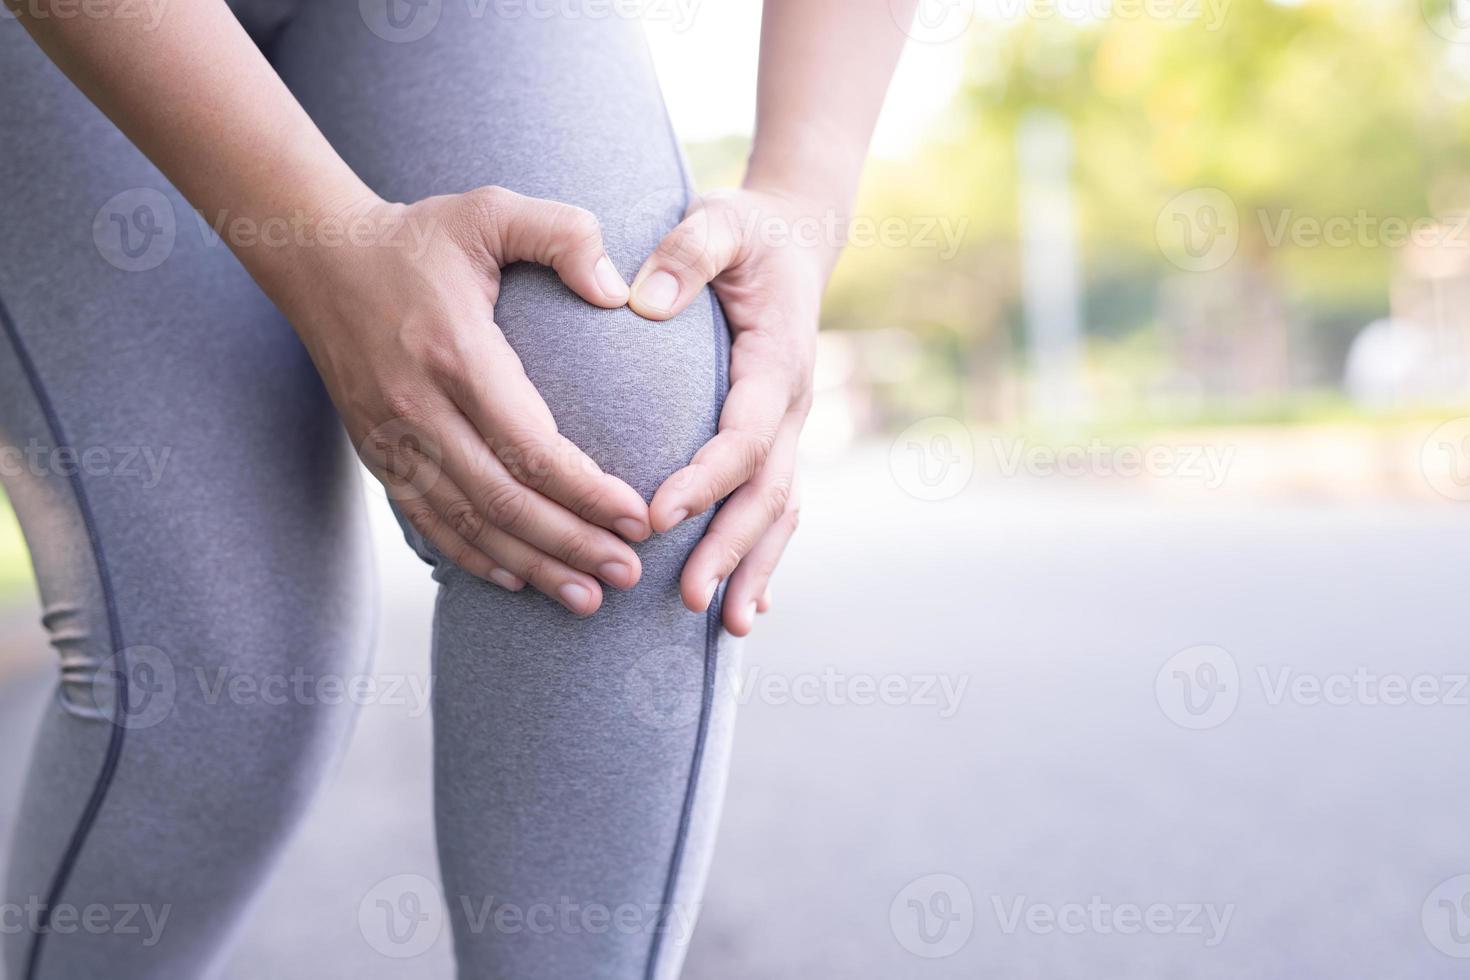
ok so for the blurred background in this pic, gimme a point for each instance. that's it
(1135, 479)
(1168, 219)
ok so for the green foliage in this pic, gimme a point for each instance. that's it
(1353, 113)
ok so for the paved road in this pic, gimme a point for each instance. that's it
(1082, 807)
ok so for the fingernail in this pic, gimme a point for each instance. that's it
(633, 530)
(765, 599)
(677, 516)
(608, 279)
(615, 573)
(750, 614)
(506, 580)
(709, 591)
(575, 597)
(659, 291)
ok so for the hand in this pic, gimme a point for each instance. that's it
(400, 323)
(747, 244)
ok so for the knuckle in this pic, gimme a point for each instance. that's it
(442, 359)
(576, 549)
(686, 249)
(461, 516)
(534, 569)
(754, 448)
(507, 505)
(731, 551)
(403, 405)
(422, 518)
(530, 459)
(588, 500)
(489, 202)
(578, 227)
(706, 485)
(778, 498)
(476, 224)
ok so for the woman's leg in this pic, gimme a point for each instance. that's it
(194, 519)
(579, 763)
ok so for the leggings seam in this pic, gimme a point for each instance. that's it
(115, 739)
(686, 814)
(711, 635)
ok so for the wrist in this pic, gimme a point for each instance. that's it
(291, 242)
(791, 219)
(817, 166)
(816, 175)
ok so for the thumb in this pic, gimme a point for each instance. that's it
(564, 237)
(704, 244)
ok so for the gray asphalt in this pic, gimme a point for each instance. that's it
(1056, 816)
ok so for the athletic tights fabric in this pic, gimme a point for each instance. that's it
(195, 519)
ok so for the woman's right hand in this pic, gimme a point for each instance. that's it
(397, 311)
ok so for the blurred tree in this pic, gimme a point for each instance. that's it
(1330, 125)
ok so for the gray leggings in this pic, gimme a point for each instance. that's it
(195, 517)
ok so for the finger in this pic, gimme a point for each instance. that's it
(512, 418)
(406, 460)
(741, 524)
(564, 237)
(753, 576)
(699, 248)
(446, 517)
(434, 527)
(578, 592)
(496, 501)
(753, 413)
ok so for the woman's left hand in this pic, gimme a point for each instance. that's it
(767, 256)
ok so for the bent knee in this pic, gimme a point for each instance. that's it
(638, 397)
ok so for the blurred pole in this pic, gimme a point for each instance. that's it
(1050, 273)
